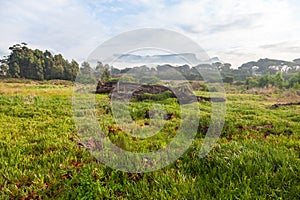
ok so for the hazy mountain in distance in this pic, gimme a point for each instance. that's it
(214, 60)
(172, 59)
(297, 61)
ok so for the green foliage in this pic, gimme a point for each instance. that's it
(294, 81)
(273, 80)
(228, 79)
(252, 82)
(87, 75)
(113, 80)
(24, 62)
(251, 69)
(149, 80)
(128, 79)
(102, 72)
(105, 76)
(156, 97)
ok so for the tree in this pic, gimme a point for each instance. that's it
(71, 70)
(265, 80)
(294, 81)
(86, 74)
(278, 80)
(49, 63)
(86, 68)
(228, 79)
(251, 82)
(24, 62)
(226, 67)
(99, 69)
(14, 70)
(3, 67)
(99, 66)
(105, 76)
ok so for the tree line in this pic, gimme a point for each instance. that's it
(277, 80)
(23, 62)
(239, 76)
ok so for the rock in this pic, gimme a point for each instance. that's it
(125, 90)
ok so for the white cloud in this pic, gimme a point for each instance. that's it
(64, 26)
(233, 30)
(221, 26)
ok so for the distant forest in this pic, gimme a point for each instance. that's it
(23, 62)
(264, 73)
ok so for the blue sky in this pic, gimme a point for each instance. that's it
(235, 31)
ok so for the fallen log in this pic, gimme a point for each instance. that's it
(210, 99)
(286, 104)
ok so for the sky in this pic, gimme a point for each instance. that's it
(235, 31)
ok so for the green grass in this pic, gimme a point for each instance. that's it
(41, 158)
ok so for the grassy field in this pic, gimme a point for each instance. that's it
(256, 157)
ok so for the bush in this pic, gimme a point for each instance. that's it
(155, 97)
(149, 80)
(199, 86)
